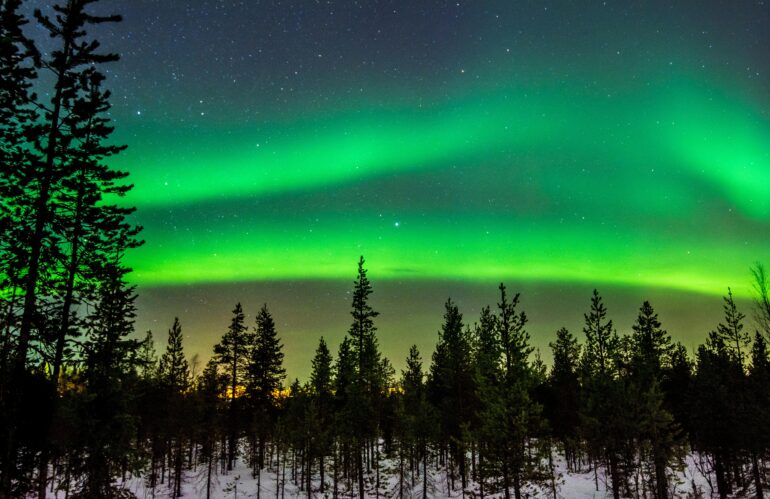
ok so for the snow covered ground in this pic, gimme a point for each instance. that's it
(239, 483)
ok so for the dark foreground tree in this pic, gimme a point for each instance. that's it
(232, 354)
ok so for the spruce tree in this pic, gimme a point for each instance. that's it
(563, 407)
(106, 421)
(488, 375)
(605, 409)
(174, 373)
(601, 343)
(210, 387)
(345, 410)
(321, 383)
(451, 386)
(714, 422)
(730, 332)
(73, 65)
(17, 116)
(676, 386)
(652, 345)
(85, 220)
(174, 369)
(264, 378)
(232, 354)
(148, 357)
(650, 360)
(368, 385)
(509, 409)
(719, 389)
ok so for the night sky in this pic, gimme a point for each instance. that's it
(554, 145)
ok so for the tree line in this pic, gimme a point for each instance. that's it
(86, 404)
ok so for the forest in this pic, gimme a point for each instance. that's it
(87, 403)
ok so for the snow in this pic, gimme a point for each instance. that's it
(239, 483)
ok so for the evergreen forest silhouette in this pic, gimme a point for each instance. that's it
(86, 404)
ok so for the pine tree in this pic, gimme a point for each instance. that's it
(720, 413)
(605, 412)
(107, 425)
(232, 354)
(265, 375)
(730, 332)
(17, 116)
(148, 357)
(321, 383)
(651, 349)
(209, 389)
(451, 386)
(652, 345)
(677, 387)
(488, 375)
(368, 385)
(85, 219)
(174, 369)
(71, 64)
(601, 343)
(321, 373)
(175, 380)
(344, 407)
(417, 418)
(563, 407)
(509, 409)
(714, 421)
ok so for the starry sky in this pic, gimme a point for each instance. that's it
(554, 145)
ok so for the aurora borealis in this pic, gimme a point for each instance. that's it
(557, 146)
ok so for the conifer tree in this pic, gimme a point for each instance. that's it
(106, 422)
(367, 388)
(84, 219)
(451, 386)
(509, 409)
(563, 407)
(418, 419)
(209, 388)
(174, 369)
(730, 332)
(488, 375)
(17, 116)
(148, 357)
(71, 64)
(344, 405)
(676, 386)
(605, 411)
(652, 345)
(719, 390)
(651, 358)
(321, 383)
(174, 373)
(265, 375)
(232, 354)
(601, 343)
(713, 417)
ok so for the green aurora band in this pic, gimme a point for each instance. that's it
(663, 183)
